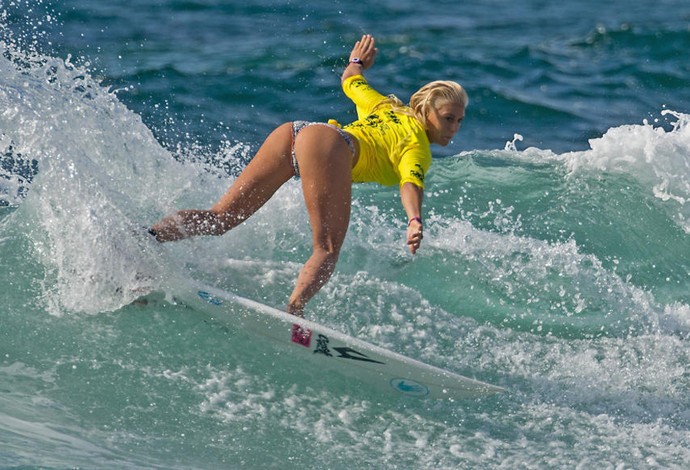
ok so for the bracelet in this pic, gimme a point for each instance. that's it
(418, 219)
(357, 61)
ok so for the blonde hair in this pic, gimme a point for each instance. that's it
(435, 94)
(430, 96)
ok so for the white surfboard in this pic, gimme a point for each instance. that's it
(328, 348)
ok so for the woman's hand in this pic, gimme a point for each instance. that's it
(414, 235)
(364, 50)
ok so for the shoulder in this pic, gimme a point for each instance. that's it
(417, 132)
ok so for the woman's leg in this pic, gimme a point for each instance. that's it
(267, 171)
(325, 161)
(325, 165)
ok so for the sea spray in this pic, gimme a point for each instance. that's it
(564, 281)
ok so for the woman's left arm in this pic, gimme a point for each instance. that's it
(412, 196)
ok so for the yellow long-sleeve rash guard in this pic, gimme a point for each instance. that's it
(393, 146)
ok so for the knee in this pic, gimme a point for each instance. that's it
(328, 253)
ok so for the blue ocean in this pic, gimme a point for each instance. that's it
(555, 264)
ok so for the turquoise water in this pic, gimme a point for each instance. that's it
(556, 260)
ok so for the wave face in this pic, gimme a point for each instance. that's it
(556, 265)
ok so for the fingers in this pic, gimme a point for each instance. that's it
(414, 239)
(366, 41)
(367, 44)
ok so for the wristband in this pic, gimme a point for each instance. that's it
(418, 219)
(357, 61)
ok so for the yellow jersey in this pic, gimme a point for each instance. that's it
(393, 146)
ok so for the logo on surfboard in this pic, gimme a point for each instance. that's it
(322, 347)
(409, 387)
(301, 336)
(210, 298)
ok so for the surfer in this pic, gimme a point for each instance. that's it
(388, 144)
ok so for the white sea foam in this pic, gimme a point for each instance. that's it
(611, 396)
(102, 177)
(657, 157)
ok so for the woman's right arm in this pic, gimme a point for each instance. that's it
(411, 196)
(363, 54)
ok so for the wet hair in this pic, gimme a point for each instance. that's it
(430, 96)
(434, 95)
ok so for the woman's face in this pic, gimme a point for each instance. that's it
(443, 122)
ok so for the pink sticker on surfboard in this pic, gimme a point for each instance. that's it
(301, 336)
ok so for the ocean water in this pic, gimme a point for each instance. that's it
(556, 259)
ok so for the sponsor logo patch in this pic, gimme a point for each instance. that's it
(301, 336)
(409, 387)
(209, 298)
